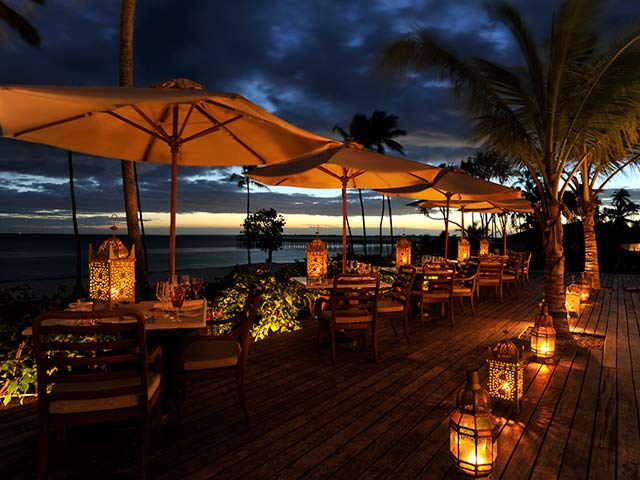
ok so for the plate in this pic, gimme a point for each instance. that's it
(117, 320)
(191, 305)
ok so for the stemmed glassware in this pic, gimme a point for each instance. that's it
(196, 286)
(177, 298)
(163, 294)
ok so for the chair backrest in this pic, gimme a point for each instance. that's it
(354, 298)
(404, 279)
(75, 350)
(438, 282)
(248, 317)
(515, 261)
(526, 262)
(488, 270)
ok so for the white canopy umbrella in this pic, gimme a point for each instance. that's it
(160, 125)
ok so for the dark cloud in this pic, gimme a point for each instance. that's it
(314, 63)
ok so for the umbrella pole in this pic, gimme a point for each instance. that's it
(446, 230)
(504, 232)
(344, 225)
(172, 223)
(462, 223)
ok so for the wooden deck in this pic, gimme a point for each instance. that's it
(388, 419)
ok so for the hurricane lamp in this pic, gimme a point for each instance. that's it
(585, 286)
(464, 250)
(484, 247)
(573, 295)
(112, 273)
(403, 252)
(472, 430)
(317, 260)
(543, 336)
(506, 370)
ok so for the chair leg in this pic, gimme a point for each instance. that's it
(144, 448)
(243, 398)
(374, 341)
(499, 287)
(333, 345)
(451, 311)
(43, 454)
(473, 309)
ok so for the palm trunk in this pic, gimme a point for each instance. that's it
(77, 289)
(380, 231)
(554, 289)
(248, 213)
(591, 265)
(350, 248)
(364, 227)
(390, 223)
(144, 237)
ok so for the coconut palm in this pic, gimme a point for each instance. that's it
(548, 118)
(20, 24)
(623, 207)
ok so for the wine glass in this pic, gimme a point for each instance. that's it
(177, 299)
(185, 284)
(196, 286)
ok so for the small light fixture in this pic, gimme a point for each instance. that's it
(484, 247)
(506, 371)
(573, 296)
(472, 430)
(543, 336)
(317, 258)
(464, 250)
(585, 286)
(403, 252)
(112, 273)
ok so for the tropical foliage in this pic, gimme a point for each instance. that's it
(573, 100)
(264, 230)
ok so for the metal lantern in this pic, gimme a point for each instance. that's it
(573, 296)
(403, 252)
(543, 336)
(484, 247)
(585, 286)
(112, 273)
(506, 370)
(472, 430)
(464, 250)
(317, 260)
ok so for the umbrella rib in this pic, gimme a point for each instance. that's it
(209, 130)
(330, 173)
(147, 150)
(161, 131)
(136, 125)
(51, 124)
(186, 120)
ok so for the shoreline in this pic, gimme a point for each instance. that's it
(49, 286)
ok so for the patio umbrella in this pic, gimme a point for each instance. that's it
(346, 166)
(453, 184)
(160, 125)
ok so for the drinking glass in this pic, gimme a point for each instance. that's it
(177, 299)
(185, 284)
(196, 286)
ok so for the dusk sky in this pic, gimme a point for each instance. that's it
(313, 63)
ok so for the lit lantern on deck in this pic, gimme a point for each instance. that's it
(317, 260)
(472, 429)
(573, 297)
(506, 370)
(112, 273)
(543, 336)
(403, 252)
(464, 250)
(585, 286)
(484, 247)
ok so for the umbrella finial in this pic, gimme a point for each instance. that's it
(181, 83)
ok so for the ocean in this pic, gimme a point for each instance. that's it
(25, 257)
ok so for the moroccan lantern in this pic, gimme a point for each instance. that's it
(585, 286)
(112, 273)
(464, 250)
(573, 296)
(403, 252)
(484, 247)
(472, 430)
(543, 336)
(506, 370)
(316, 260)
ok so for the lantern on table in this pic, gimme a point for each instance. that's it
(464, 250)
(585, 286)
(543, 336)
(112, 273)
(506, 370)
(403, 252)
(484, 247)
(316, 260)
(472, 430)
(573, 296)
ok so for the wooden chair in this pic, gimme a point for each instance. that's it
(466, 285)
(396, 304)
(525, 268)
(490, 275)
(512, 271)
(354, 300)
(221, 356)
(91, 371)
(437, 287)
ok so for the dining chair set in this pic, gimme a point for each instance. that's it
(91, 372)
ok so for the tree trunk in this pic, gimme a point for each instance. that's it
(380, 232)
(591, 265)
(350, 248)
(127, 16)
(364, 227)
(144, 237)
(248, 213)
(554, 289)
(390, 223)
(77, 289)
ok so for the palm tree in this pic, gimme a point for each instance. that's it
(20, 24)
(587, 185)
(623, 207)
(127, 20)
(547, 118)
(246, 182)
